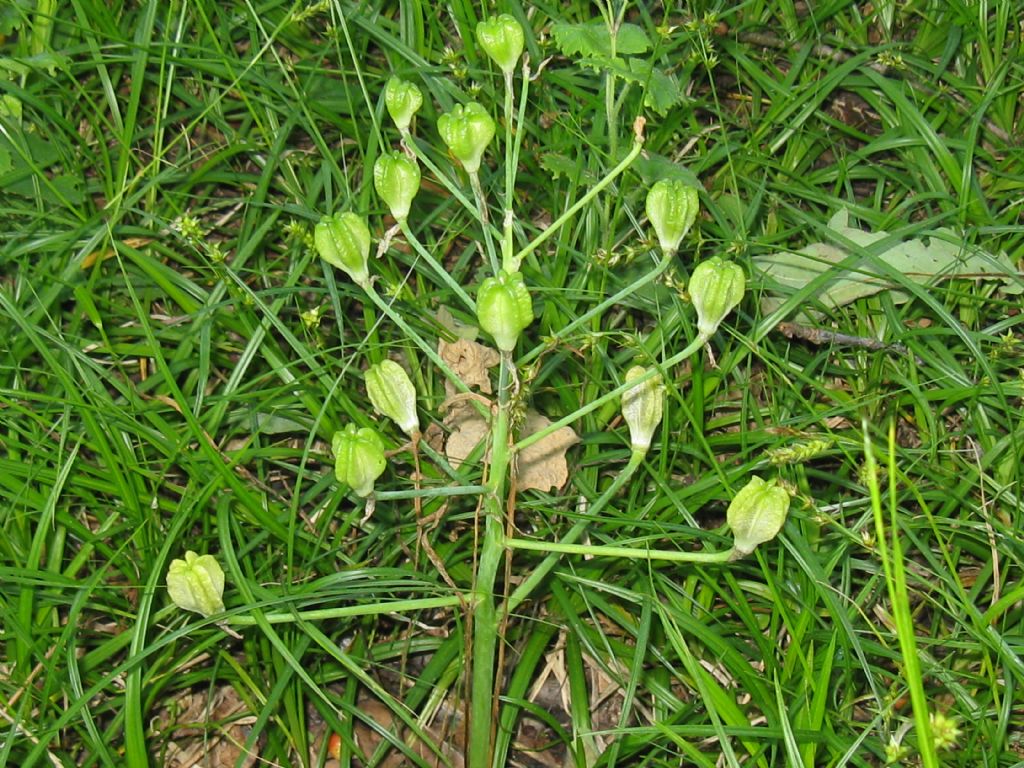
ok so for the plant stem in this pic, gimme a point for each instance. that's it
(492, 549)
(539, 572)
(627, 552)
(440, 271)
(638, 144)
(371, 609)
(447, 490)
(508, 262)
(485, 222)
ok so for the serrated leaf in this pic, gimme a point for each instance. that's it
(13, 16)
(621, 68)
(632, 40)
(588, 40)
(662, 91)
(944, 256)
(592, 40)
(560, 166)
(598, 65)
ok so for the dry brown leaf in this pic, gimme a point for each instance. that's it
(467, 428)
(470, 362)
(542, 465)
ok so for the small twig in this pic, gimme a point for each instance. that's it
(822, 336)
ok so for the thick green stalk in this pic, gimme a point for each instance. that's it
(492, 550)
(627, 552)
(611, 112)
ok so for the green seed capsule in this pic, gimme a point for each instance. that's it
(641, 407)
(396, 177)
(343, 240)
(756, 514)
(358, 458)
(502, 39)
(467, 131)
(196, 584)
(716, 287)
(671, 208)
(393, 394)
(403, 100)
(504, 308)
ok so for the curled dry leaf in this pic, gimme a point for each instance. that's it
(471, 362)
(467, 427)
(543, 465)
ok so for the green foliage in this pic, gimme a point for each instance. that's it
(593, 45)
(177, 359)
(593, 42)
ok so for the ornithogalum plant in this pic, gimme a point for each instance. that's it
(502, 39)
(756, 514)
(500, 294)
(343, 241)
(642, 406)
(403, 100)
(504, 308)
(672, 209)
(393, 395)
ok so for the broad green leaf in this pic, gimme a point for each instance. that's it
(942, 256)
(561, 166)
(587, 40)
(13, 14)
(632, 40)
(662, 91)
(592, 40)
